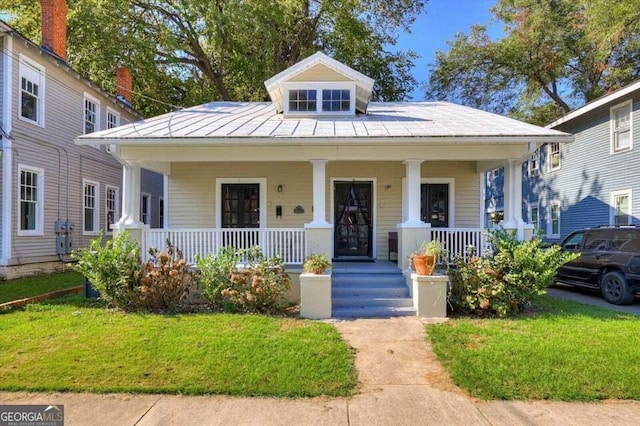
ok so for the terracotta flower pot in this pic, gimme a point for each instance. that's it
(424, 264)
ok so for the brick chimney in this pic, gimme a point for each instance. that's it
(54, 26)
(124, 84)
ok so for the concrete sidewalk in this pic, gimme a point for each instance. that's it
(401, 383)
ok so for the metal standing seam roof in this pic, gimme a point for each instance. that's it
(236, 120)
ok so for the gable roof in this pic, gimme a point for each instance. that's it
(258, 122)
(597, 103)
(275, 85)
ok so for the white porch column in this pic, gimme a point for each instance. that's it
(513, 198)
(130, 219)
(319, 233)
(413, 231)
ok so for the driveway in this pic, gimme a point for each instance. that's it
(590, 297)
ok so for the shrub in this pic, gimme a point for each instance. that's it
(257, 286)
(504, 282)
(164, 280)
(112, 268)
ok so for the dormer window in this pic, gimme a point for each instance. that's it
(320, 98)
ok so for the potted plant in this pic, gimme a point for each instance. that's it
(425, 260)
(316, 263)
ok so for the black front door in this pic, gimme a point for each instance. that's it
(434, 207)
(353, 219)
(241, 209)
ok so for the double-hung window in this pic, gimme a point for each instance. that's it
(91, 114)
(621, 208)
(113, 119)
(91, 207)
(534, 163)
(534, 218)
(145, 209)
(553, 226)
(621, 127)
(111, 204)
(31, 101)
(31, 200)
(553, 150)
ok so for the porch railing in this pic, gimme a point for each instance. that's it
(288, 243)
(457, 240)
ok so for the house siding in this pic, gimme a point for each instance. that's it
(320, 72)
(192, 192)
(589, 173)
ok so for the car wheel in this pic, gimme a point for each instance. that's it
(615, 289)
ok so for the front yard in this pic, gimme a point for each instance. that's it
(34, 286)
(561, 351)
(71, 345)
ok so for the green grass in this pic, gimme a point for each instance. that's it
(33, 286)
(71, 345)
(565, 351)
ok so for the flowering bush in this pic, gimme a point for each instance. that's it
(504, 282)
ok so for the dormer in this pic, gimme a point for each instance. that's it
(320, 85)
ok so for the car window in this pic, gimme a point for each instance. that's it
(597, 240)
(626, 241)
(573, 241)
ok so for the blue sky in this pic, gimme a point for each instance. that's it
(441, 20)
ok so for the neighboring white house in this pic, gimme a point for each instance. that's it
(322, 169)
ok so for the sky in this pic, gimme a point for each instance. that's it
(439, 22)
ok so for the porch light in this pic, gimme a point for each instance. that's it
(388, 187)
(279, 188)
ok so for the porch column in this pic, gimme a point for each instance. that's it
(319, 232)
(513, 198)
(413, 231)
(130, 219)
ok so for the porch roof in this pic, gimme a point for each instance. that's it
(231, 122)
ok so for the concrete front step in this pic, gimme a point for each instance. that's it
(372, 312)
(372, 280)
(368, 292)
(360, 302)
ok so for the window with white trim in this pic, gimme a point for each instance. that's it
(91, 191)
(111, 207)
(553, 227)
(336, 100)
(553, 156)
(321, 98)
(534, 217)
(145, 209)
(113, 119)
(303, 100)
(91, 114)
(621, 208)
(31, 201)
(621, 127)
(534, 163)
(31, 94)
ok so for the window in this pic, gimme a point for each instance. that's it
(553, 228)
(534, 217)
(161, 213)
(31, 203)
(90, 216)
(302, 100)
(620, 208)
(621, 127)
(113, 119)
(111, 204)
(553, 156)
(534, 163)
(91, 114)
(145, 209)
(336, 100)
(31, 94)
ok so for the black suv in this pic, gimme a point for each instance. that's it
(609, 261)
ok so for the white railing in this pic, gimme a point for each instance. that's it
(457, 240)
(288, 243)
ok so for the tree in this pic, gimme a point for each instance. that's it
(555, 55)
(189, 52)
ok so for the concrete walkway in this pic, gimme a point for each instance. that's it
(401, 383)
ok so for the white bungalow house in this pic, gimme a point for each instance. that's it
(321, 169)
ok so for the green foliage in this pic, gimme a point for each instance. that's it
(32, 286)
(186, 53)
(316, 263)
(555, 55)
(164, 280)
(505, 282)
(113, 268)
(259, 285)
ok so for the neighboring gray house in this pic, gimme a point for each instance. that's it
(57, 196)
(591, 182)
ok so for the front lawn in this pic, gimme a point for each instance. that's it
(71, 345)
(33, 286)
(565, 351)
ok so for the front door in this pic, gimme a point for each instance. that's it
(241, 209)
(434, 206)
(353, 220)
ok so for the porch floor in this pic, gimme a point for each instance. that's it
(378, 266)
